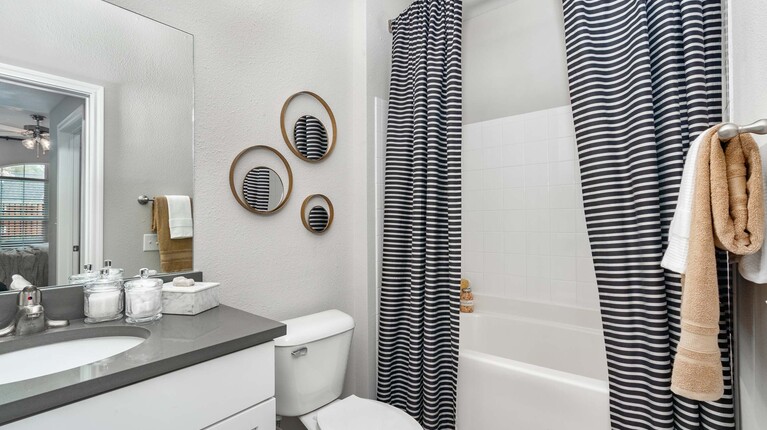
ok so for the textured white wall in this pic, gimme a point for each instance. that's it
(513, 59)
(748, 101)
(145, 70)
(249, 57)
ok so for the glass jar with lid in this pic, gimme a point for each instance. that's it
(143, 299)
(114, 272)
(103, 299)
(85, 276)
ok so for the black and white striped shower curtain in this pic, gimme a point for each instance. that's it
(419, 299)
(645, 80)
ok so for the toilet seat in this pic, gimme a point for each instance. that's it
(354, 413)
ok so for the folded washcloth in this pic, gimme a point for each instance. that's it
(181, 281)
(180, 217)
(754, 267)
(727, 213)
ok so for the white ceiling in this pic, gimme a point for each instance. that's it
(29, 99)
(18, 118)
(18, 103)
(472, 8)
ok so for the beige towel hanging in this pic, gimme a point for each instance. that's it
(728, 213)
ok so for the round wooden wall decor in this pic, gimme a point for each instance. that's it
(310, 137)
(318, 218)
(263, 190)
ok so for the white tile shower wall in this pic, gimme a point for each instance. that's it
(524, 229)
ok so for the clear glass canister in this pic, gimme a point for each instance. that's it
(103, 299)
(143, 299)
(114, 272)
(86, 276)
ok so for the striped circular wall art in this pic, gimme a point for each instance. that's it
(317, 218)
(261, 190)
(310, 140)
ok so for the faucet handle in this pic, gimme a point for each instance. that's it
(30, 296)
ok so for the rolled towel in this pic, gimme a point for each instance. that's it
(181, 281)
(727, 213)
(754, 267)
(19, 282)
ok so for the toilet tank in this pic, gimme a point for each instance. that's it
(310, 361)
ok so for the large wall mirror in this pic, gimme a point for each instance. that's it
(96, 108)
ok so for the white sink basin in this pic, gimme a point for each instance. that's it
(56, 357)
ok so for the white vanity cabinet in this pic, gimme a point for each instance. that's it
(232, 392)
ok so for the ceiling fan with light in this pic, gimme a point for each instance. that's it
(33, 136)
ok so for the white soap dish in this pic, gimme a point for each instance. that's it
(189, 300)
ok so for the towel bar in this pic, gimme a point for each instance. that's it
(142, 200)
(730, 130)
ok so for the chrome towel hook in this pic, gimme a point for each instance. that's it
(729, 130)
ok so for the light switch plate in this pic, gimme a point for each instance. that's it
(150, 243)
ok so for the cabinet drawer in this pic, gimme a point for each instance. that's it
(259, 417)
(191, 398)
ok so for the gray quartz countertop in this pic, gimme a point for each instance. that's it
(172, 343)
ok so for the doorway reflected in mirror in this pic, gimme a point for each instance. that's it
(41, 136)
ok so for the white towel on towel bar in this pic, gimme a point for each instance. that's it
(754, 267)
(180, 217)
(675, 258)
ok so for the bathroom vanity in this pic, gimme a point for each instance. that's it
(214, 371)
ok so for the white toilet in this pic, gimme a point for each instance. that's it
(311, 363)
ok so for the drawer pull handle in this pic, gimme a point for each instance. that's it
(300, 352)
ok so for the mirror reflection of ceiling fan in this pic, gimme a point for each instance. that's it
(33, 136)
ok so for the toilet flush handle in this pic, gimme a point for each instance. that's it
(300, 352)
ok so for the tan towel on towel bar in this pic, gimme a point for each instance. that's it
(728, 213)
(175, 254)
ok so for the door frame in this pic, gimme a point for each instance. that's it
(68, 190)
(92, 168)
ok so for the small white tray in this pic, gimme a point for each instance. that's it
(189, 300)
(197, 287)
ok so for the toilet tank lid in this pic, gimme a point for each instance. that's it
(314, 327)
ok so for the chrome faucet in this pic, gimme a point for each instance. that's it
(30, 315)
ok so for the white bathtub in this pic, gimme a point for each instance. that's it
(532, 366)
